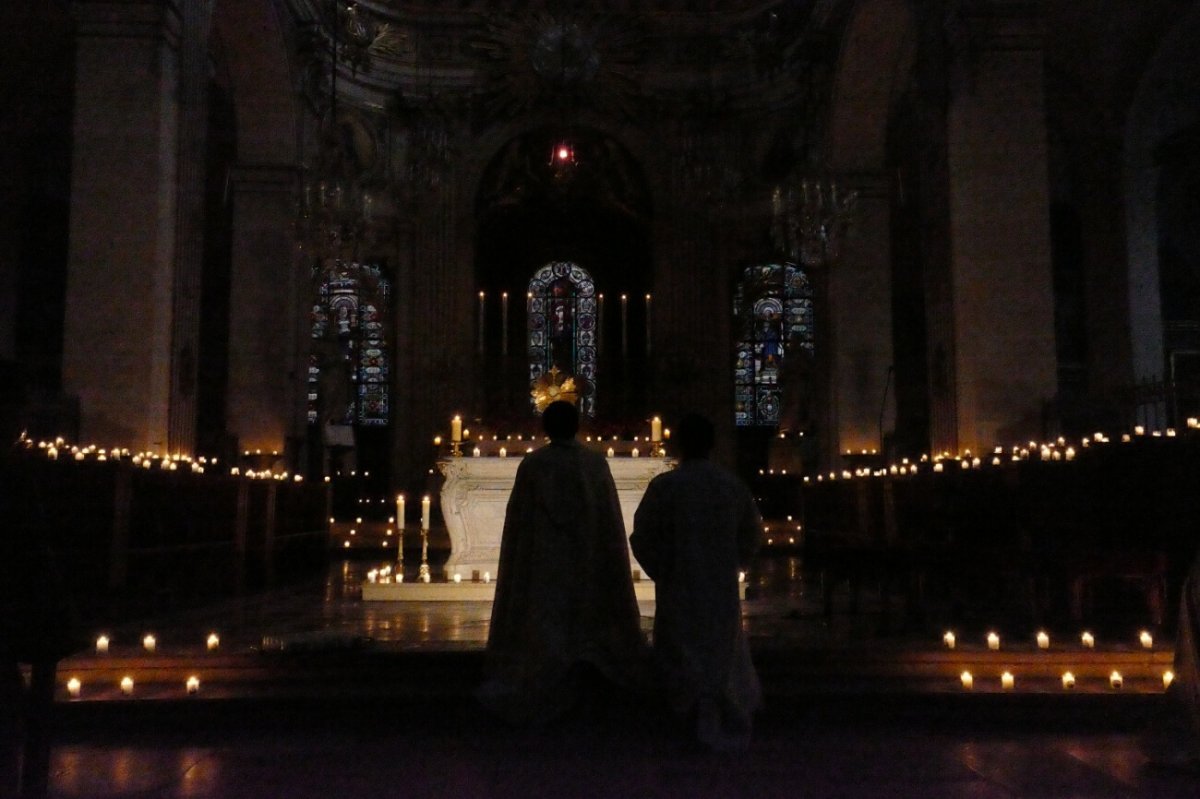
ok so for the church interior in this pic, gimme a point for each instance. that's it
(284, 285)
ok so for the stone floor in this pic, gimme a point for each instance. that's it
(428, 738)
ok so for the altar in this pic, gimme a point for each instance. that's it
(475, 495)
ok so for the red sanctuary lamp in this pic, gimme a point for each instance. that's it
(562, 156)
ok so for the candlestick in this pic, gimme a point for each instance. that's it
(425, 506)
(504, 323)
(423, 572)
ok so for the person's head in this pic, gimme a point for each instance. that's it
(695, 436)
(560, 420)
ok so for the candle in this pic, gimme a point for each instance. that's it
(102, 645)
(656, 430)
(400, 511)
(503, 452)
(938, 467)
(504, 323)
(741, 577)
(647, 325)
(1114, 680)
(1007, 681)
(193, 684)
(993, 641)
(477, 452)
(74, 687)
(1138, 430)
(1168, 678)
(633, 453)
(624, 325)
(457, 577)
(127, 685)
(456, 429)
(481, 296)
(1068, 680)
(948, 639)
(1043, 640)
(1088, 641)
(487, 577)
(213, 642)
(1147, 640)
(611, 452)
(425, 505)
(968, 682)
(149, 643)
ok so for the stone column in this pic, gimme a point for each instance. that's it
(120, 279)
(1001, 277)
(267, 299)
(861, 309)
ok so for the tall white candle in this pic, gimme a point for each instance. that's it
(456, 429)
(624, 325)
(481, 313)
(425, 504)
(504, 323)
(400, 511)
(647, 325)
(656, 430)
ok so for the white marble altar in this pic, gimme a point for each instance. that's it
(475, 495)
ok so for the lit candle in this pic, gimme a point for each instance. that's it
(1007, 681)
(1088, 640)
(456, 429)
(149, 643)
(487, 577)
(949, 640)
(633, 453)
(193, 684)
(993, 641)
(655, 430)
(1168, 678)
(968, 682)
(1043, 640)
(400, 511)
(1147, 640)
(611, 452)
(74, 687)
(481, 296)
(938, 467)
(457, 577)
(647, 325)
(1138, 430)
(127, 685)
(425, 505)
(1114, 680)
(1068, 680)
(102, 645)
(503, 452)
(477, 452)
(624, 325)
(213, 642)
(504, 323)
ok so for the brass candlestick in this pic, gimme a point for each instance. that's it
(423, 572)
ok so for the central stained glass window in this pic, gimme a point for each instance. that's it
(562, 328)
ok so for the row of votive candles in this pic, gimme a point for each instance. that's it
(75, 686)
(1086, 639)
(150, 643)
(1008, 681)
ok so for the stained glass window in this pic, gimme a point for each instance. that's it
(773, 313)
(562, 328)
(349, 369)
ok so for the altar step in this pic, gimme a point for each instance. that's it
(358, 669)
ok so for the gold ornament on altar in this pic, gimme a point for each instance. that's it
(551, 387)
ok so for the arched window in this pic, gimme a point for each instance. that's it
(562, 328)
(348, 369)
(773, 314)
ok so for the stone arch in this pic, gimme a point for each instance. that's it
(1165, 104)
